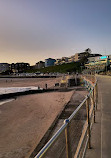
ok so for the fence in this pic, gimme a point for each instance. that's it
(66, 130)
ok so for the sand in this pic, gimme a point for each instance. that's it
(24, 121)
(24, 82)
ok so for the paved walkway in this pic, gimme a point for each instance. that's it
(101, 132)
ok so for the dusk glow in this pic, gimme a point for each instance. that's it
(33, 30)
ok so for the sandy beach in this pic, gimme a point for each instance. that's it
(24, 82)
(24, 121)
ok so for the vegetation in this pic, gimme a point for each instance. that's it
(64, 68)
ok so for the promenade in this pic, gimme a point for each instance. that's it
(101, 130)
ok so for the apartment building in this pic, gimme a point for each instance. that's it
(58, 61)
(61, 61)
(40, 65)
(71, 59)
(4, 67)
(20, 67)
(49, 62)
(79, 56)
(98, 63)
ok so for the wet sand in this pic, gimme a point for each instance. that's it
(24, 121)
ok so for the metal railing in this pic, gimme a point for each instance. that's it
(85, 139)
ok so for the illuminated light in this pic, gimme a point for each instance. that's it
(104, 57)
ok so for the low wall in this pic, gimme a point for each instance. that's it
(12, 95)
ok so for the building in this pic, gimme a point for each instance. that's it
(49, 62)
(12, 67)
(99, 63)
(58, 61)
(79, 56)
(94, 55)
(64, 60)
(83, 55)
(61, 61)
(20, 67)
(71, 59)
(4, 67)
(40, 65)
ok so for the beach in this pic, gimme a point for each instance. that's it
(25, 120)
(25, 82)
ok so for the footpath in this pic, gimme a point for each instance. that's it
(101, 130)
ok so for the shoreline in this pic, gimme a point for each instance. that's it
(29, 76)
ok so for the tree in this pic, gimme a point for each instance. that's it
(88, 50)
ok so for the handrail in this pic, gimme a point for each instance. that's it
(52, 140)
(63, 127)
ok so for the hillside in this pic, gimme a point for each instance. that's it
(64, 68)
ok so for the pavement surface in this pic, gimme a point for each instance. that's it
(101, 131)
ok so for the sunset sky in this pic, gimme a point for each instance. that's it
(32, 30)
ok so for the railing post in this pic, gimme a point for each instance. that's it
(93, 105)
(96, 95)
(68, 142)
(88, 121)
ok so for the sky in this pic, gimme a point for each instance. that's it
(33, 30)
